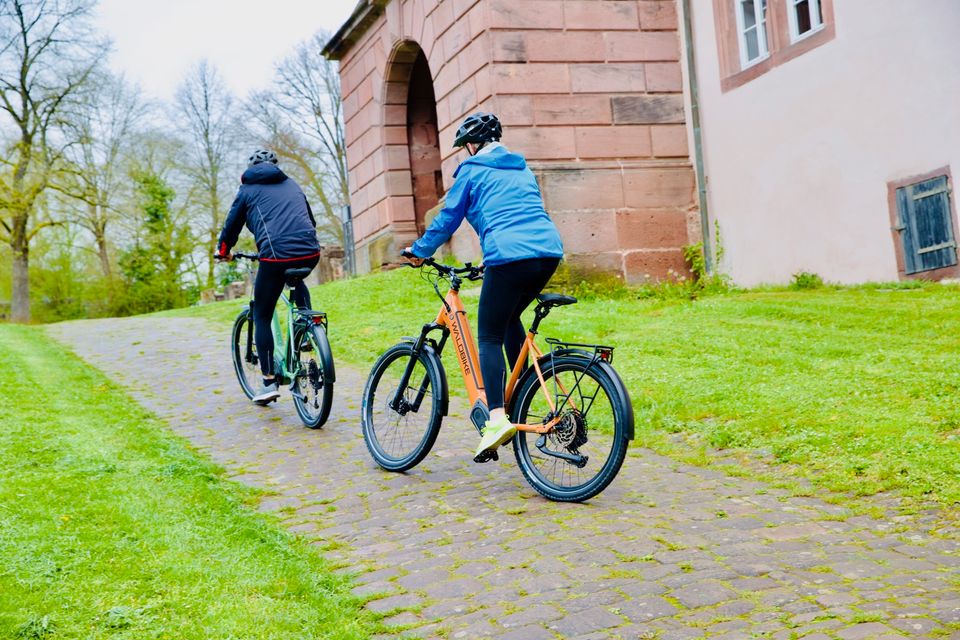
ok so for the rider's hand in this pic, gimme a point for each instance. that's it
(412, 259)
(223, 257)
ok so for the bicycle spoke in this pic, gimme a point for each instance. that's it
(398, 431)
(584, 428)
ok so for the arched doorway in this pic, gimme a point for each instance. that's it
(423, 141)
(410, 103)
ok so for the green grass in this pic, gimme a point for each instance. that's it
(111, 527)
(856, 389)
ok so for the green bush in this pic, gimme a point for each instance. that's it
(803, 280)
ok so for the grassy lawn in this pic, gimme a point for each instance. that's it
(111, 527)
(857, 390)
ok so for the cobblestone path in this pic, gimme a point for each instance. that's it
(458, 550)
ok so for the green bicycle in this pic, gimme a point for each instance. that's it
(305, 362)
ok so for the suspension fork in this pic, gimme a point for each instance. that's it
(397, 402)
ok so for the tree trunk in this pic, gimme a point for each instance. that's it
(213, 243)
(214, 224)
(98, 226)
(20, 300)
(104, 258)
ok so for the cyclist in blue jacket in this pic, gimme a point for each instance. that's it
(498, 195)
(276, 211)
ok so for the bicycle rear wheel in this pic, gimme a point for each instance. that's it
(400, 425)
(312, 388)
(592, 432)
(243, 348)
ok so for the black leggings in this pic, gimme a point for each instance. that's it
(507, 290)
(266, 292)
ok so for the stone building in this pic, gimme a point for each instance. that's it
(825, 134)
(590, 91)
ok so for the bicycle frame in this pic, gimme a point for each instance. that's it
(452, 320)
(287, 355)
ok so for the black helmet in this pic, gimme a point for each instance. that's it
(478, 128)
(262, 155)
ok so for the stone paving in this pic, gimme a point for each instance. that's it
(458, 550)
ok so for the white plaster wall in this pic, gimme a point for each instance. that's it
(798, 160)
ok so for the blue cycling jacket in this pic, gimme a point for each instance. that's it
(499, 197)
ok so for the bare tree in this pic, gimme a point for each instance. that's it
(47, 52)
(102, 127)
(302, 117)
(205, 104)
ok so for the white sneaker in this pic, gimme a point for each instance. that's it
(267, 394)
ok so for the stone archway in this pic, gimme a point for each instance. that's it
(423, 141)
(410, 110)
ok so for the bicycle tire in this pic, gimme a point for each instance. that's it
(313, 399)
(387, 445)
(612, 423)
(248, 373)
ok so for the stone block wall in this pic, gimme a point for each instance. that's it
(590, 91)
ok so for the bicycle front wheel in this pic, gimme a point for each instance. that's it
(312, 387)
(584, 452)
(246, 364)
(401, 421)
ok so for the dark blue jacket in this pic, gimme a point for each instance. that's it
(277, 213)
(499, 197)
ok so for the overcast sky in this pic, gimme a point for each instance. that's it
(154, 43)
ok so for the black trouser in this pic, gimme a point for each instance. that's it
(507, 290)
(266, 292)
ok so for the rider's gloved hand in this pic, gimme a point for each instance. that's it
(222, 254)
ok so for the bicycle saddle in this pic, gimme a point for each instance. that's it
(555, 299)
(293, 276)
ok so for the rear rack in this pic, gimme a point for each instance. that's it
(314, 317)
(600, 351)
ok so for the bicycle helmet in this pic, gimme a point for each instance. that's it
(478, 128)
(262, 155)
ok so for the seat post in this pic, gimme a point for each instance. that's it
(541, 312)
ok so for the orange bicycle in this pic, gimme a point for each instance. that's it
(573, 413)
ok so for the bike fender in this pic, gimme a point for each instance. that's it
(434, 362)
(327, 356)
(544, 362)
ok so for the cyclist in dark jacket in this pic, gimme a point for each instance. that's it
(275, 210)
(498, 195)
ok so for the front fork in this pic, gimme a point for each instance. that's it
(399, 403)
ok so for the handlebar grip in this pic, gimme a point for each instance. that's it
(408, 254)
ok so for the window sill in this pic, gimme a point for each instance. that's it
(796, 39)
(752, 63)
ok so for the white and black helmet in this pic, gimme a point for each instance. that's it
(478, 128)
(262, 155)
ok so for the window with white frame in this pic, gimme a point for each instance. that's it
(805, 17)
(752, 31)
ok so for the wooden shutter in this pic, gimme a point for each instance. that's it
(926, 229)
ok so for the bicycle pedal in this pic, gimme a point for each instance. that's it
(486, 456)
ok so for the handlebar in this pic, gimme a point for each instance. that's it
(471, 272)
(252, 257)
